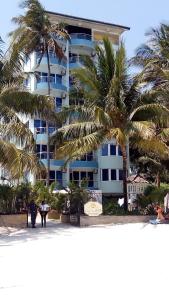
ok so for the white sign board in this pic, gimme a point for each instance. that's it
(93, 209)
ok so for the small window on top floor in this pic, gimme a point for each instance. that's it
(104, 150)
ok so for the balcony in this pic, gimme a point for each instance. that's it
(75, 62)
(41, 134)
(54, 163)
(90, 184)
(82, 40)
(56, 88)
(53, 60)
(93, 164)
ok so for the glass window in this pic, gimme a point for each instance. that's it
(59, 78)
(119, 151)
(52, 174)
(89, 156)
(120, 174)
(58, 102)
(76, 175)
(112, 149)
(44, 74)
(58, 175)
(105, 174)
(90, 178)
(113, 174)
(83, 175)
(44, 148)
(43, 123)
(36, 123)
(105, 150)
(43, 155)
(37, 148)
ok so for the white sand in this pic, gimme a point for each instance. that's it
(104, 262)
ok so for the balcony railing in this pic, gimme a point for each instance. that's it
(76, 59)
(81, 39)
(45, 79)
(42, 82)
(81, 36)
(52, 58)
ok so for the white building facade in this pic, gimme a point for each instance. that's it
(102, 168)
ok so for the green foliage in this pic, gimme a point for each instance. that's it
(43, 193)
(111, 207)
(152, 196)
(7, 204)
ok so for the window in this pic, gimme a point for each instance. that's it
(59, 79)
(120, 174)
(112, 149)
(44, 148)
(119, 151)
(58, 104)
(36, 123)
(40, 126)
(113, 174)
(90, 179)
(105, 150)
(77, 178)
(55, 176)
(105, 174)
(87, 157)
(52, 77)
(41, 151)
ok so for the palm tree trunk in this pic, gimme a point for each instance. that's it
(47, 123)
(124, 156)
(158, 179)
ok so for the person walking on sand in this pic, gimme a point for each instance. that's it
(43, 209)
(33, 211)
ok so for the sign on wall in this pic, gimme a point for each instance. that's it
(93, 209)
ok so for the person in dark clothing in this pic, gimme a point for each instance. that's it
(33, 212)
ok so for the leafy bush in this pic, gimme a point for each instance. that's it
(7, 200)
(152, 196)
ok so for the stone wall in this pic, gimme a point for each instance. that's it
(17, 220)
(101, 220)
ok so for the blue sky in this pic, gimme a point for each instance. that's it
(139, 15)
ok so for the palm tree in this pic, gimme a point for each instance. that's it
(35, 32)
(16, 140)
(114, 109)
(153, 59)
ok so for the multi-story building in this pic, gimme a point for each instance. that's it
(103, 168)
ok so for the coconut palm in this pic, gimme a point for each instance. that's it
(114, 109)
(153, 59)
(16, 140)
(35, 32)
